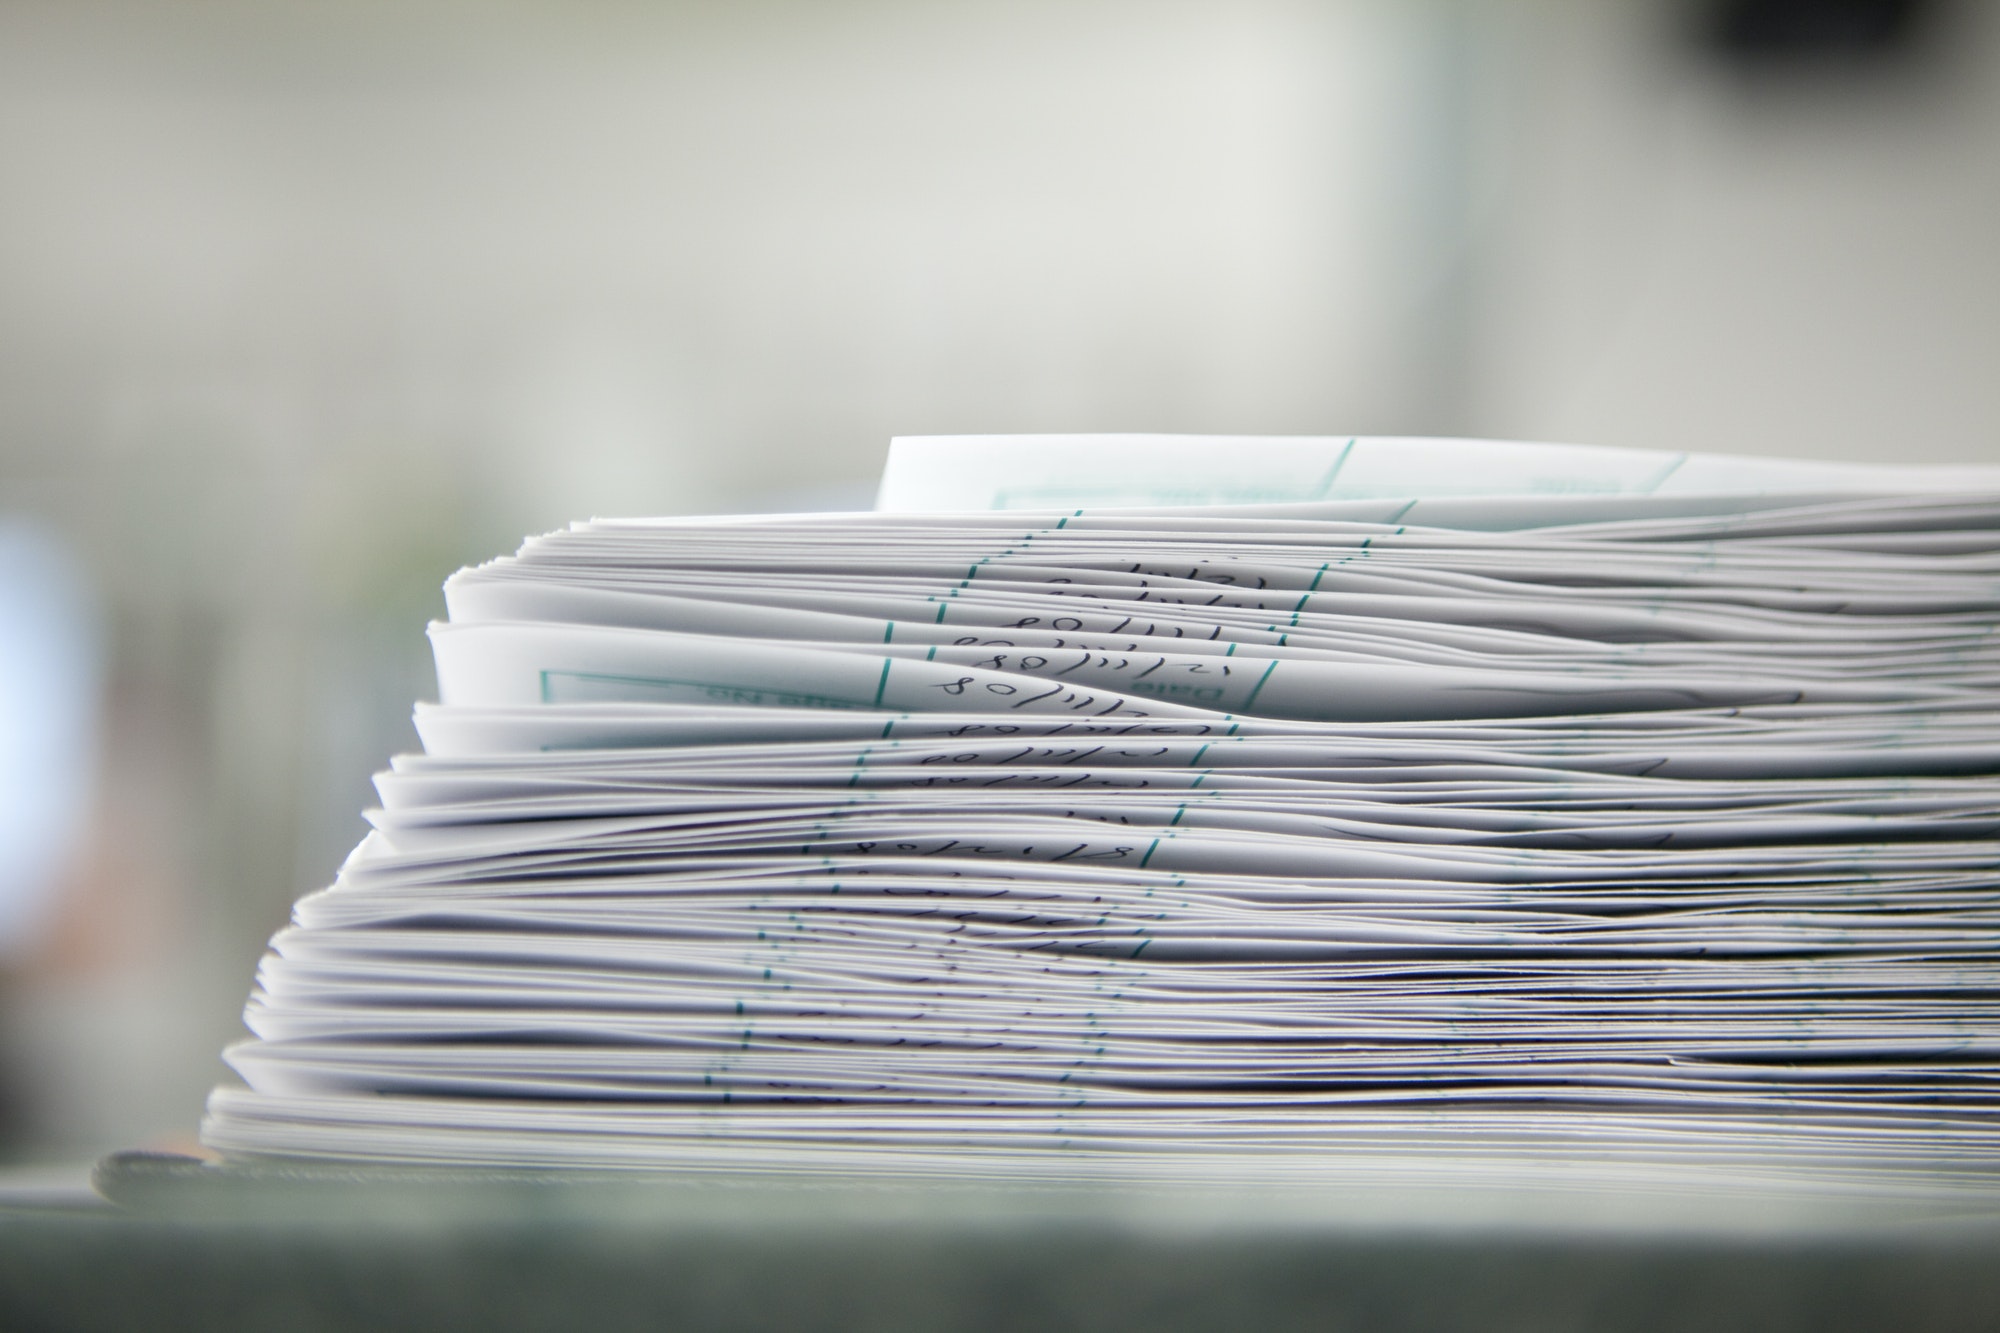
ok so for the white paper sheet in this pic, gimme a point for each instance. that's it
(933, 472)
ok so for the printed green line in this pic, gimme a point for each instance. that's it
(1256, 689)
(883, 683)
(1671, 468)
(888, 631)
(1326, 482)
(1199, 753)
(1315, 583)
(1149, 853)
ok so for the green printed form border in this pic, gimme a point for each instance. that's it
(762, 695)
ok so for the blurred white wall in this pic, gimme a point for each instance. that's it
(1675, 254)
(638, 256)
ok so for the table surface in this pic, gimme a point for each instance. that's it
(457, 1250)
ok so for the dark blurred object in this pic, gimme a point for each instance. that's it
(1769, 34)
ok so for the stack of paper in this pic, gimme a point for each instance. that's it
(1208, 841)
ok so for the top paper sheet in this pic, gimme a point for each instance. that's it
(932, 472)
